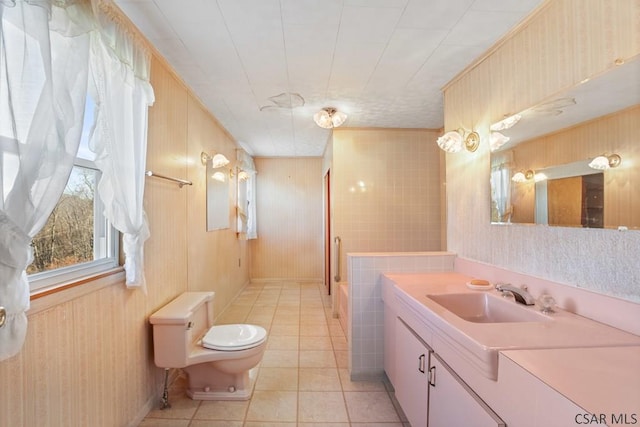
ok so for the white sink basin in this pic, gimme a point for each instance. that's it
(487, 308)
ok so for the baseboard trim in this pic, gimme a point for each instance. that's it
(287, 280)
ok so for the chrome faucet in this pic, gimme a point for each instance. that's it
(521, 295)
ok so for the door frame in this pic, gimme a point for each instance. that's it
(327, 231)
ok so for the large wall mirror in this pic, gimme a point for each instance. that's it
(217, 194)
(574, 160)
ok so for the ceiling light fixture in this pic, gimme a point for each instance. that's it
(454, 140)
(604, 162)
(329, 117)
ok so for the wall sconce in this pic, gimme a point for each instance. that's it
(604, 162)
(329, 117)
(242, 175)
(217, 161)
(497, 140)
(453, 141)
(540, 177)
(520, 177)
(219, 176)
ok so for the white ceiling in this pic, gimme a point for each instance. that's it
(383, 62)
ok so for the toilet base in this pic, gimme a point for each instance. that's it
(242, 389)
(220, 395)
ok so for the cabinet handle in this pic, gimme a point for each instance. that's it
(432, 376)
(421, 360)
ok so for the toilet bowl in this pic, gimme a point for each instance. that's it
(216, 359)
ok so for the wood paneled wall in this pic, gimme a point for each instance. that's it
(566, 42)
(165, 202)
(289, 212)
(217, 260)
(88, 360)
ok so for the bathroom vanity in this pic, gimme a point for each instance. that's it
(509, 365)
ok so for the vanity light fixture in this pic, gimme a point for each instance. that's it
(506, 123)
(219, 176)
(329, 117)
(204, 158)
(540, 177)
(217, 161)
(472, 141)
(497, 140)
(605, 162)
(454, 140)
(520, 177)
(241, 174)
(451, 142)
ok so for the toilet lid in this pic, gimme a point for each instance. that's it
(234, 337)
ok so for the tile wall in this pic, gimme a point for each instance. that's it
(366, 309)
(387, 181)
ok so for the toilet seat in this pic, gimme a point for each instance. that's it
(234, 337)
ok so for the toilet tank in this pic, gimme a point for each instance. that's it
(178, 326)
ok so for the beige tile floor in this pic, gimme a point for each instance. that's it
(303, 379)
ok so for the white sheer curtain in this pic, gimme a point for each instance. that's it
(120, 76)
(43, 82)
(501, 165)
(252, 220)
(246, 163)
(45, 50)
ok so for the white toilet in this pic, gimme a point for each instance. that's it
(216, 359)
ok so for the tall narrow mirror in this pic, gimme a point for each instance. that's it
(217, 197)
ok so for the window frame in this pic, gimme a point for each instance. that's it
(39, 282)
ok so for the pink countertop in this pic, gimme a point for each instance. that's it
(602, 380)
(480, 342)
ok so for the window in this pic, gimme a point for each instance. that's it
(77, 239)
(501, 208)
(48, 56)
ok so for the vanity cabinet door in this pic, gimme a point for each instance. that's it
(411, 374)
(453, 403)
